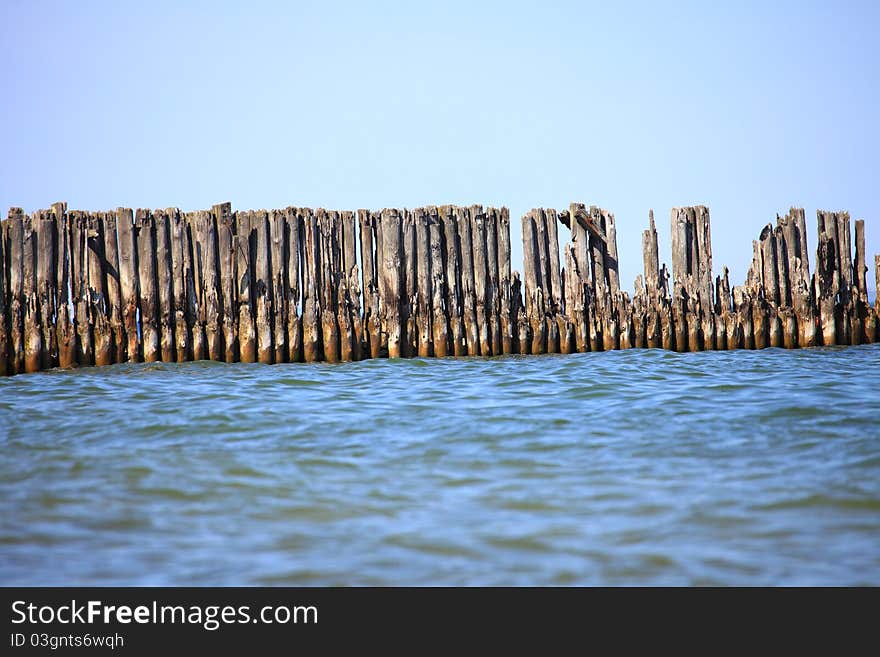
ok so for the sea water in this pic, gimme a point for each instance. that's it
(619, 468)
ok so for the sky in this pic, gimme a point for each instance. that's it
(748, 108)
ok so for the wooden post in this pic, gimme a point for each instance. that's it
(372, 323)
(877, 283)
(651, 267)
(277, 282)
(228, 298)
(453, 274)
(545, 224)
(32, 336)
(311, 320)
(478, 237)
(390, 278)
(65, 330)
(639, 314)
(508, 319)
(439, 321)
(46, 284)
(129, 283)
(826, 278)
(331, 266)
(468, 282)
(182, 327)
(209, 303)
(743, 305)
(167, 348)
(243, 241)
(336, 289)
(493, 298)
(262, 288)
(542, 337)
(79, 284)
(534, 299)
(625, 313)
(96, 291)
(113, 285)
(705, 279)
(409, 303)
(724, 335)
(423, 283)
(613, 317)
(5, 368)
(350, 277)
(782, 269)
(194, 296)
(149, 310)
(579, 239)
(294, 278)
(522, 337)
(601, 298)
(574, 299)
(872, 327)
(328, 276)
(794, 232)
(860, 308)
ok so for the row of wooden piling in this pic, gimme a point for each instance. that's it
(303, 285)
(582, 308)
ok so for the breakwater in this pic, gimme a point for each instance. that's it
(297, 284)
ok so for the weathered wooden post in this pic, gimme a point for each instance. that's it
(478, 237)
(328, 276)
(390, 278)
(225, 221)
(193, 288)
(439, 321)
(424, 280)
(508, 318)
(209, 301)
(493, 300)
(372, 319)
(46, 284)
(453, 275)
(262, 288)
(544, 258)
(743, 306)
(165, 285)
(4, 336)
(31, 334)
(277, 281)
(182, 327)
(409, 295)
(294, 278)
(281, 247)
(96, 291)
(244, 262)
(149, 310)
(65, 331)
(352, 285)
(468, 282)
(861, 311)
(826, 277)
(128, 282)
(114, 289)
(534, 299)
(79, 288)
(651, 266)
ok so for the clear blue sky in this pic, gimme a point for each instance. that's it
(746, 107)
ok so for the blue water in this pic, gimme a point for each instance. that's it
(630, 467)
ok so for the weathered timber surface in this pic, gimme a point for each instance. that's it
(302, 284)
